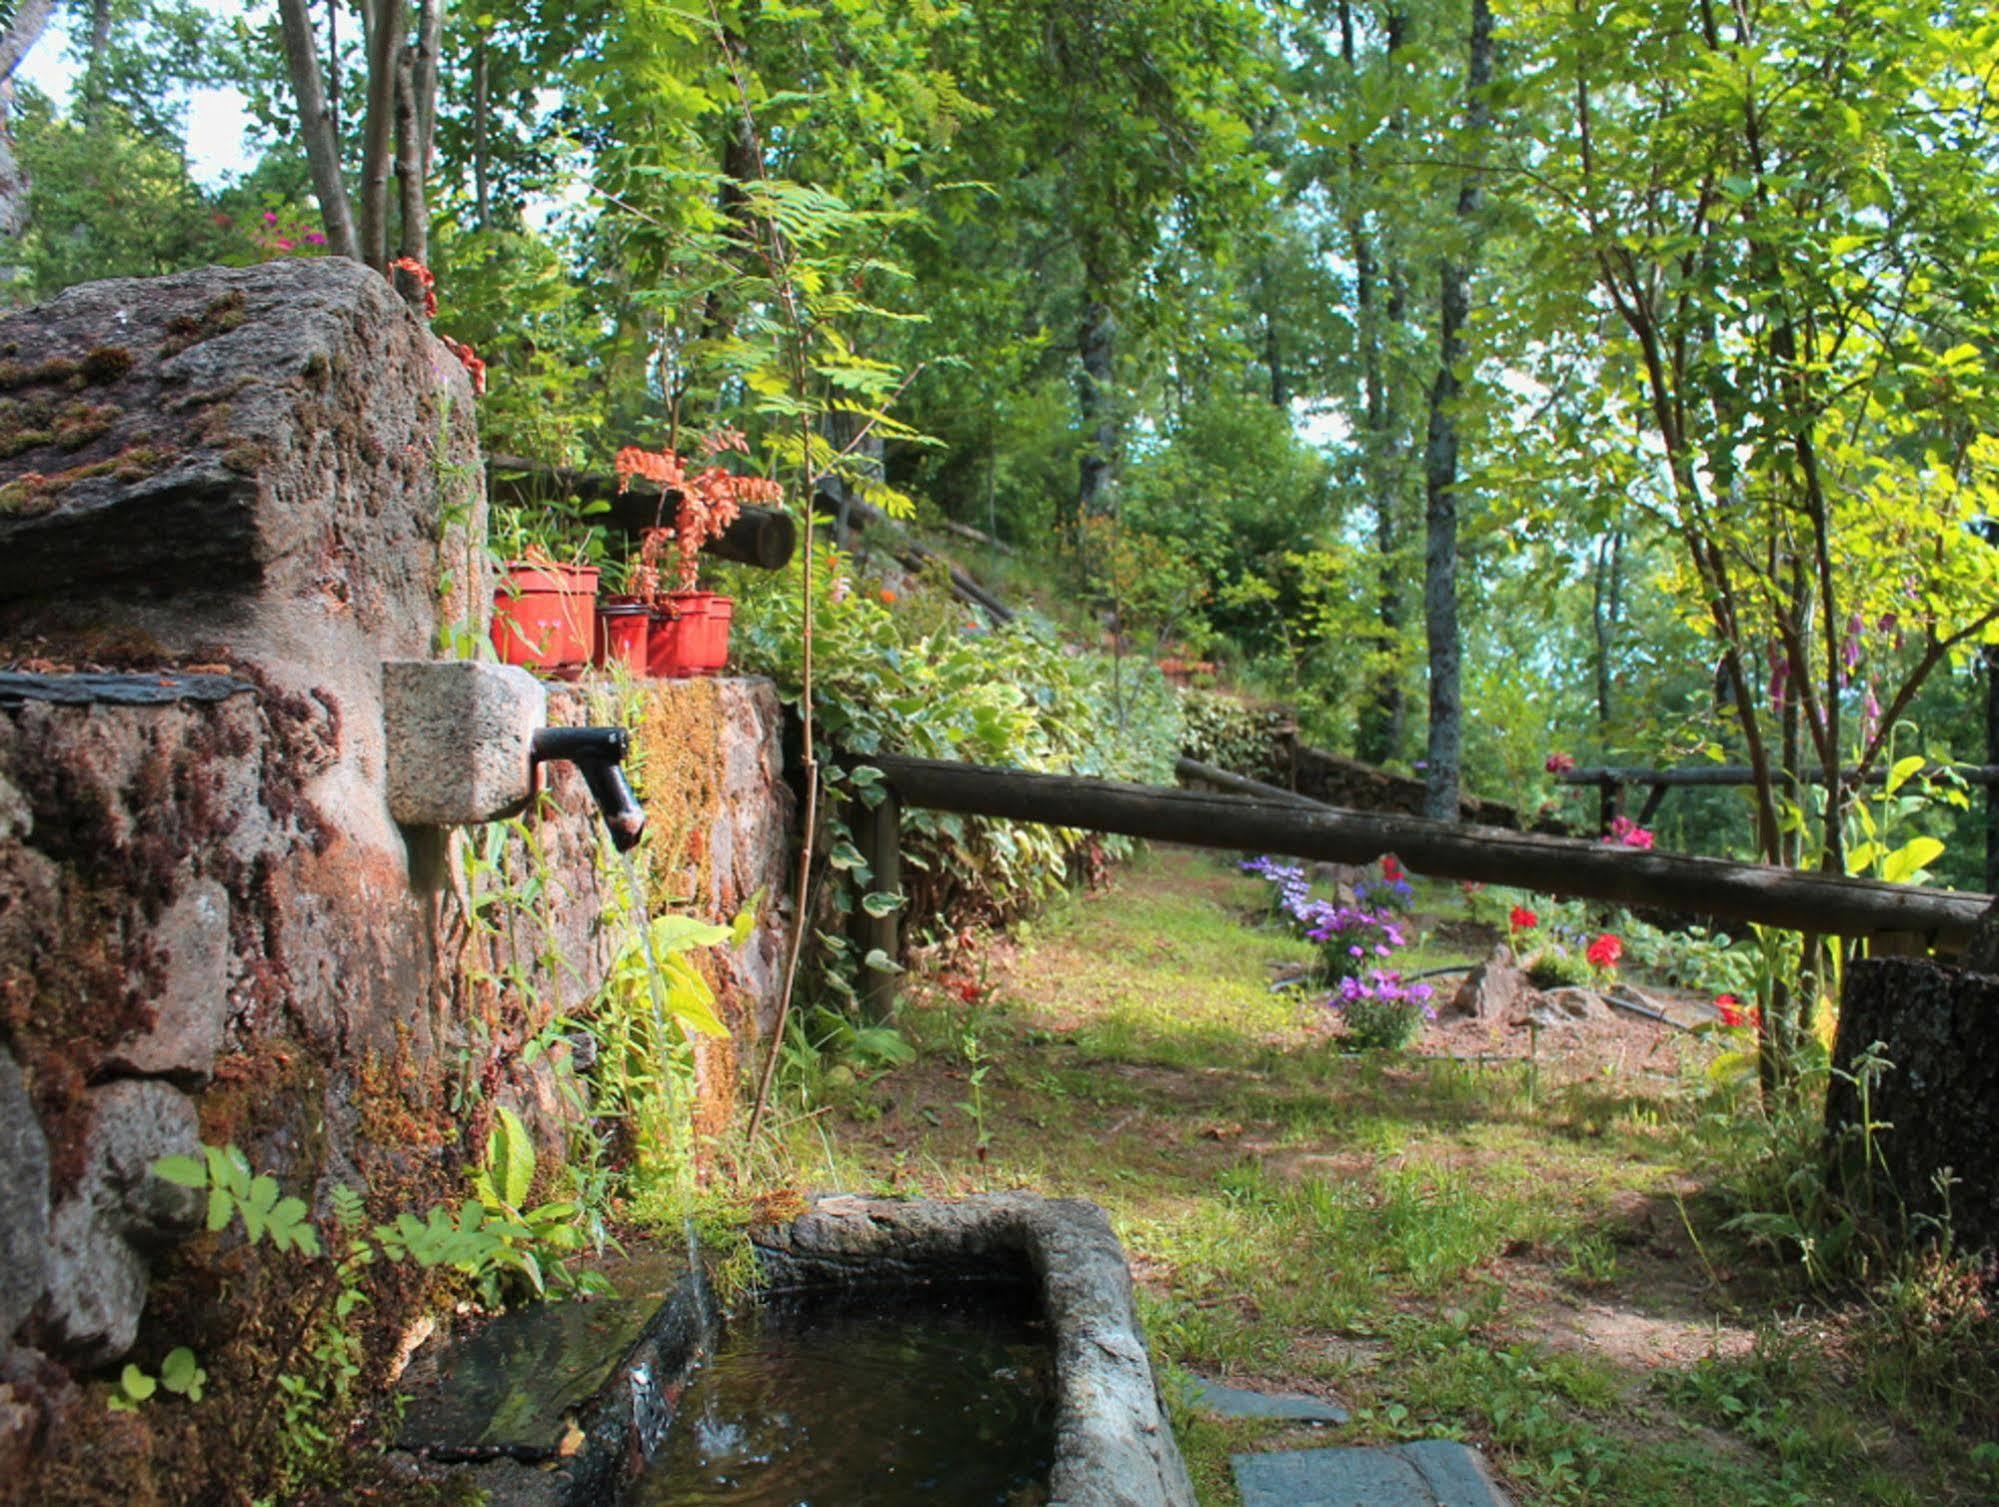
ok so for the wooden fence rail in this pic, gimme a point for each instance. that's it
(1559, 865)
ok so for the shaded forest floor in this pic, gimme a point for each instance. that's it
(1449, 1242)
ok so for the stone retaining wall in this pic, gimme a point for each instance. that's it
(228, 497)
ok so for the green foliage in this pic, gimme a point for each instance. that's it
(234, 1192)
(1010, 696)
(1382, 1022)
(653, 1004)
(1556, 966)
(1228, 732)
(108, 201)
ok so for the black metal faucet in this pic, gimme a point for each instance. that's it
(598, 752)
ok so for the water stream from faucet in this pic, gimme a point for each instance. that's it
(662, 1042)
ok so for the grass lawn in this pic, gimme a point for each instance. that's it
(1451, 1242)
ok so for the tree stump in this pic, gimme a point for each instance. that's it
(1938, 1029)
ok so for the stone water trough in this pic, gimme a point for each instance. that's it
(590, 1431)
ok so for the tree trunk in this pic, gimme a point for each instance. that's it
(429, 43)
(415, 241)
(322, 145)
(1608, 582)
(1379, 736)
(1273, 352)
(1932, 1107)
(93, 72)
(1440, 458)
(333, 65)
(385, 27)
(482, 199)
(1990, 656)
(1097, 400)
(31, 18)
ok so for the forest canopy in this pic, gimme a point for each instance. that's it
(1493, 383)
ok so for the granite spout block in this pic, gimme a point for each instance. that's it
(460, 740)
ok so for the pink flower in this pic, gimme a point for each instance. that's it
(1560, 763)
(1628, 834)
(270, 217)
(315, 238)
(283, 244)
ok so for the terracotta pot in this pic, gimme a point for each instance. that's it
(624, 633)
(544, 616)
(671, 644)
(691, 633)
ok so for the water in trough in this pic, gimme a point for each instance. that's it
(840, 1400)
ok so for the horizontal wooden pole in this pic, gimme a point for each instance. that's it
(1742, 774)
(763, 537)
(1441, 850)
(1242, 784)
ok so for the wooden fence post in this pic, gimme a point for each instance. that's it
(878, 834)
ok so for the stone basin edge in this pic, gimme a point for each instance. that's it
(1113, 1444)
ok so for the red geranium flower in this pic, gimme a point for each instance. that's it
(1604, 952)
(1522, 919)
(1391, 867)
(1733, 1015)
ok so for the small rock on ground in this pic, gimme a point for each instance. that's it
(1429, 1473)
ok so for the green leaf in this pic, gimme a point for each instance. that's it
(879, 903)
(137, 1384)
(1910, 859)
(182, 1171)
(510, 1158)
(678, 933)
(881, 962)
(181, 1374)
(1904, 771)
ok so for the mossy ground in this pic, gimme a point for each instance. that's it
(1445, 1249)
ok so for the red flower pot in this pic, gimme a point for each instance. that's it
(624, 634)
(670, 652)
(690, 634)
(544, 616)
(712, 643)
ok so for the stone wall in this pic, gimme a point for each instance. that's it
(226, 498)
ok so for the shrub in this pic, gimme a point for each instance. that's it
(1555, 967)
(890, 678)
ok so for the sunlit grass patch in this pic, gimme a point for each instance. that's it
(1423, 1235)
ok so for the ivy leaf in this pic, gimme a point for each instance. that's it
(881, 962)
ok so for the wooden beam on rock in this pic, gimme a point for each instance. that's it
(1442, 850)
(762, 537)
